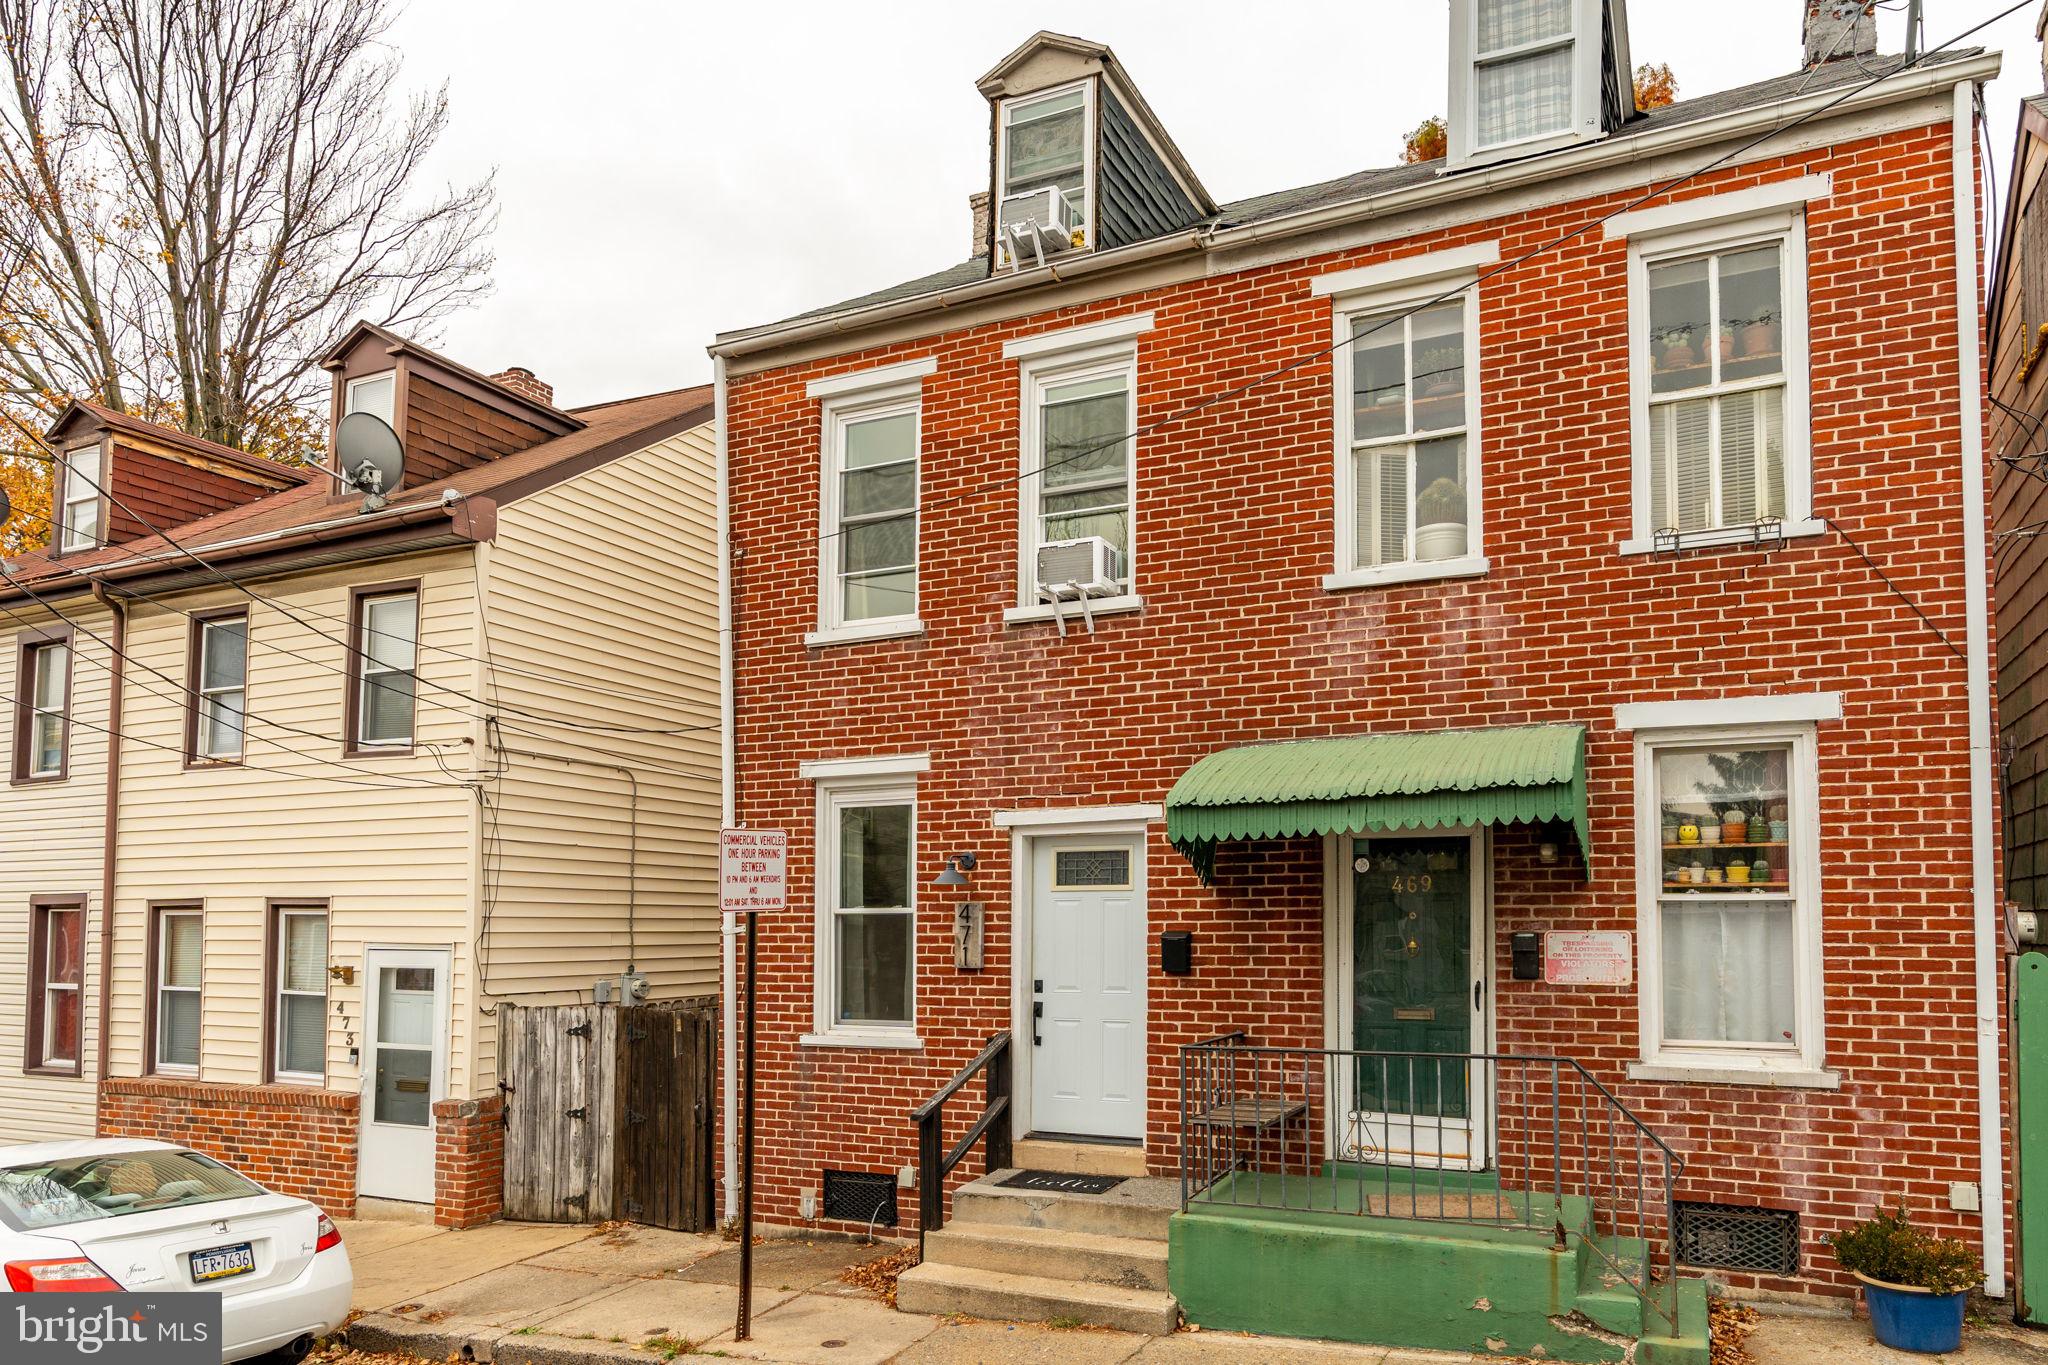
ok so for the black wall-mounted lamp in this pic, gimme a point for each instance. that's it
(956, 870)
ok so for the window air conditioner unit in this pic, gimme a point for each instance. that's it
(1037, 223)
(1075, 570)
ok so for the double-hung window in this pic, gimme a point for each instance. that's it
(871, 513)
(376, 394)
(42, 710)
(220, 650)
(1525, 76)
(1044, 145)
(1730, 912)
(867, 924)
(1407, 491)
(1080, 472)
(79, 518)
(1719, 364)
(299, 1018)
(386, 630)
(179, 955)
(56, 984)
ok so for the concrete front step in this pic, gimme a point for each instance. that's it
(1135, 1208)
(935, 1287)
(1128, 1262)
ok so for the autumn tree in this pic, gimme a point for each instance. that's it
(1655, 88)
(197, 195)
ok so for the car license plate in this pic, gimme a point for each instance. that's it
(222, 1262)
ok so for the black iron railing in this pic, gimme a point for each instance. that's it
(1489, 1138)
(934, 1161)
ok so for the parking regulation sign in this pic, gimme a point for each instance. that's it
(753, 871)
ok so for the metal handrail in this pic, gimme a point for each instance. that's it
(934, 1161)
(1250, 1114)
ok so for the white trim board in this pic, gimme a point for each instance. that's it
(1430, 265)
(1675, 715)
(1073, 338)
(1718, 208)
(881, 376)
(880, 765)
(1063, 817)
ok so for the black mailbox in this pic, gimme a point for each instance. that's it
(1176, 952)
(1528, 957)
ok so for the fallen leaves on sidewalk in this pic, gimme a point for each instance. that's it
(879, 1276)
(1728, 1326)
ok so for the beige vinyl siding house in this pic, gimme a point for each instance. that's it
(477, 763)
(52, 840)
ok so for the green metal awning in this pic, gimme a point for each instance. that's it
(1359, 783)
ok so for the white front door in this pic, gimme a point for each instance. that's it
(1088, 986)
(405, 1070)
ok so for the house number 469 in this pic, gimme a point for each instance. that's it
(1412, 882)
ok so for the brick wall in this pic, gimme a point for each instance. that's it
(291, 1139)
(469, 1161)
(1238, 642)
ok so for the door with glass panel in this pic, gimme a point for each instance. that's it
(405, 1069)
(1088, 988)
(1414, 996)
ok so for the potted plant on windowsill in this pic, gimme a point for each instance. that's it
(1915, 1283)
(1442, 371)
(1440, 520)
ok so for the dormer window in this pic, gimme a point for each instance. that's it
(1044, 169)
(1526, 76)
(80, 518)
(376, 394)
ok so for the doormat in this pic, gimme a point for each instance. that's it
(1060, 1182)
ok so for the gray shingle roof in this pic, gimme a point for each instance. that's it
(1361, 184)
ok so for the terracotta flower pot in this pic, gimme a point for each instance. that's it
(1760, 338)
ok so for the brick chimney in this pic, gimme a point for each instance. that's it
(1837, 30)
(520, 380)
(977, 204)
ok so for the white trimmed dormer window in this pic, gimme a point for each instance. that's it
(1525, 76)
(80, 517)
(1045, 163)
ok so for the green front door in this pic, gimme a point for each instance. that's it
(1413, 990)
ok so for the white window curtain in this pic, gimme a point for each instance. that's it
(876, 493)
(178, 978)
(389, 629)
(302, 994)
(1522, 77)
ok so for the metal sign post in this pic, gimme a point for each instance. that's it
(752, 877)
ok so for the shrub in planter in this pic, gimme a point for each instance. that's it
(1915, 1283)
(1440, 520)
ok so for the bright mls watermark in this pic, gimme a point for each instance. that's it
(110, 1329)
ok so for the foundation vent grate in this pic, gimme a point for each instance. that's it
(860, 1197)
(1737, 1237)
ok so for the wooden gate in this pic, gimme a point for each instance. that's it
(608, 1113)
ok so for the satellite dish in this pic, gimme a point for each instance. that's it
(369, 455)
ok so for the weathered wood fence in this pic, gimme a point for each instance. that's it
(608, 1113)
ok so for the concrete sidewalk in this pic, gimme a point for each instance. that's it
(534, 1294)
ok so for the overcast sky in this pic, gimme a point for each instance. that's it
(668, 171)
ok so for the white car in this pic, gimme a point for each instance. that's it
(118, 1214)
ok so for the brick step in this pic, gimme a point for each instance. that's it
(1136, 1208)
(939, 1288)
(1129, 1262)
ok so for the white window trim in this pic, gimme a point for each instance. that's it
(1787, 226)
(880, 377)
(1430, 265)
(278, 1071)
(348, 394)
(74, 497)
(831, 795)
(835, 415)
(1733, 1064)
(1463, 122)
(163, 937)
(1078, 338)
(205, 694)
(369, 669)
(879, 765)
(1713, 209)
(1347, 306)
(76, 989)
(1787, 709)
(1066, 365)
(1088, 139)
(1069, 819)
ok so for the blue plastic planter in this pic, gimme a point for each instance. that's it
(1913, 1319)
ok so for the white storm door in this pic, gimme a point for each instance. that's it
(405, 1070)
(1088, 987)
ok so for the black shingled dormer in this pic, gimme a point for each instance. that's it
(1077, 159)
